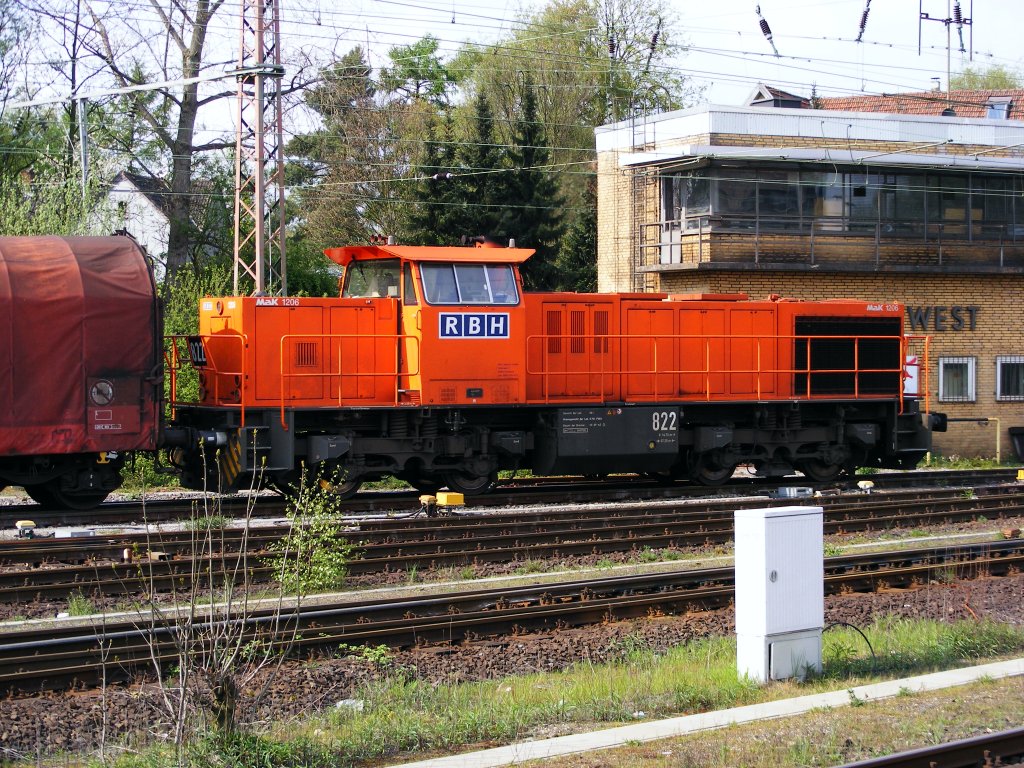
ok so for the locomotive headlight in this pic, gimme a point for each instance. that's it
(102, 392)
(651, 445)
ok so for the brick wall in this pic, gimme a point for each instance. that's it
(615, 232)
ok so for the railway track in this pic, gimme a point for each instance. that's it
(41, 569)
(1005, 748)
(61, 656)
(513, 492)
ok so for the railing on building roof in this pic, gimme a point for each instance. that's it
(828, 240)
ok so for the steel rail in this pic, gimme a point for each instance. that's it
(988, 749)
(38, 551)
(521, 491)
(685, 528)
(60, 656)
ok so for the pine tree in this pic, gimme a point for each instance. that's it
(576, 265)
(533, 214)
(437, 209)
(483, 182)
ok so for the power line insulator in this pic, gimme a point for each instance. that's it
(864, 20)
(765, 29)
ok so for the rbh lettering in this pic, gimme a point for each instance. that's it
(473, 325)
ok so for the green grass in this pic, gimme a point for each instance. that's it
(140, 476)
(80, 605)
(404, 714)
(965, 462)
(203, 523)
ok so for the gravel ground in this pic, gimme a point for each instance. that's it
(75, 722)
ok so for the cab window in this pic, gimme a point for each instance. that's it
(372, 279)
(469, 284)
(408, 290)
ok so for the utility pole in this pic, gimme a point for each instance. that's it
(259, 152)
(954, 16)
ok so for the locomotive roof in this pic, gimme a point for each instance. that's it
(465, 254)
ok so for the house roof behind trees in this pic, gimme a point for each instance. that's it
(993, 104)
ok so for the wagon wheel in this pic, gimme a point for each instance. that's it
(41, 495)
(80, 500)
(470, 485)
(50, 496)
(819, 471)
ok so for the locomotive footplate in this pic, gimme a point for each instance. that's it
(606, 439)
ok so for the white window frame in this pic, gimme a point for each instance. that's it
(972, 367)
(1000, 361)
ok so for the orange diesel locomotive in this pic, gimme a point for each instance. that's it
(434, 366)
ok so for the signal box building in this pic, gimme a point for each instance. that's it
(917, 199)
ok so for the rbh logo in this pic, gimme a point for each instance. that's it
(473, 325)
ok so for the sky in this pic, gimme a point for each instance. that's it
(728, 55)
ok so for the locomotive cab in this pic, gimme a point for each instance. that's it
(461, 319)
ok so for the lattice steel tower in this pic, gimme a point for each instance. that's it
(259, 152)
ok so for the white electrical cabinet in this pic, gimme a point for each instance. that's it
(780, 591)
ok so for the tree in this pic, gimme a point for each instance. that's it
(417, 72)
(167, 43)
(26, 135)
(995, 77)
(347, 169)
(114, 39)
(533, 215)
(436, 204)
(592, 61)
(576, 265)
(483, 181)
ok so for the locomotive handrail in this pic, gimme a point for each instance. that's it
(706, 371)
(175, 364)
(923, 368)
(397, 374)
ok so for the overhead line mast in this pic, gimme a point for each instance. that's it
(259, 245)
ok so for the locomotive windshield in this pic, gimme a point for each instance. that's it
(372, 279)
(469, 284)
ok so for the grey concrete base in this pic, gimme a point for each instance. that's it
(680, 726)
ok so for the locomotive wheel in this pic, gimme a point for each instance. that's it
(422, 483)
(470, 485)
(706, 474)
(425, 484)
(343, 489)
(819, 471)
(334, 483)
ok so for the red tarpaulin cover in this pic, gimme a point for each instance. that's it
(78, 346)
